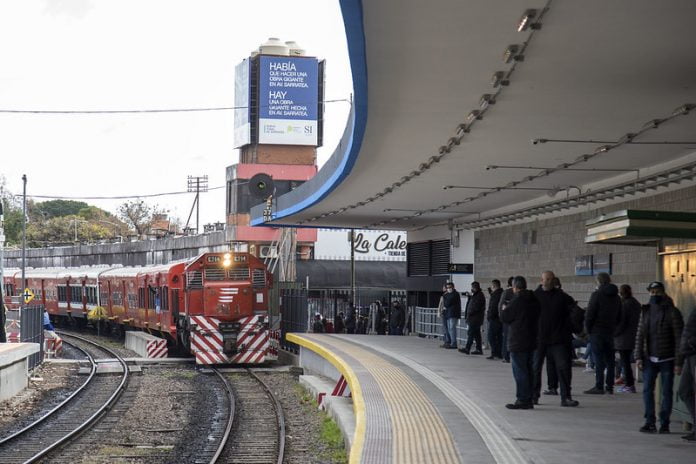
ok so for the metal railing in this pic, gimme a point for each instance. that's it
(295, 315)
(429, 324)
(28, 324)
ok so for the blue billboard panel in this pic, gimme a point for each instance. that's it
(288, 100)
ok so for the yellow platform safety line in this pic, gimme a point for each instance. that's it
(420, 433)
(355, 390)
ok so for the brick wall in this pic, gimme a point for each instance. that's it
(501, 251)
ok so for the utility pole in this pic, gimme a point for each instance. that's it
(3, 337)
(24, 236)
(352, 266)
(198, 184)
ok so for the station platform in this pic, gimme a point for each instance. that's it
(417, 403)
(14, 367)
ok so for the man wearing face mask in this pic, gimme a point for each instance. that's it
(474, 315)
(657, 352)
(452, 311)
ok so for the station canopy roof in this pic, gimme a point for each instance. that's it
(595, 97)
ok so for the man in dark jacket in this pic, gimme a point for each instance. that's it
(350, 319)
(338, 323)
(495, 326)
(657, 352)
(687, 385)
(601, 319)
(452, 311)
(625, 335)
(505, 299)
(522, 315)
(473, 315)
(397, 318)
(317, 326)
(555, 337)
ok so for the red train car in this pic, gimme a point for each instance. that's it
(214, 306)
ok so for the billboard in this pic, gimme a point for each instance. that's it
(288, 100)
(242, 115)
(370, 245)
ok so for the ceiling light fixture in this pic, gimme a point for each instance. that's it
(526, 20)
(473, 116)
(448, 187)
(486, 100)
(499, 79)
(494, 166)
(512, 54)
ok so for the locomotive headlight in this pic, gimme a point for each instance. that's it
(226, 263)
(227, 256)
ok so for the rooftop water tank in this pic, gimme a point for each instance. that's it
(273, 46)
(294, 48)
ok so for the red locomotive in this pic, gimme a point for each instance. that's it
(214, 306)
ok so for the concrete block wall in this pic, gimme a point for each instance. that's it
(501, 251)
(140, 253)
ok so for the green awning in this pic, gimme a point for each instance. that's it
(640, 227)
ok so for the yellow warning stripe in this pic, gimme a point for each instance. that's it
(356, 392)
(420, 433)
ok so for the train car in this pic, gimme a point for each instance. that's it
(214, 306)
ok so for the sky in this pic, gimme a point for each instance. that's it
(154, 54)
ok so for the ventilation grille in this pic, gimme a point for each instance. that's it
(258, 278)
(214, 274)
(194, 279)
(239, 273)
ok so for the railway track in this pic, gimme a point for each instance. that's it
(74, 415)
(258, 424)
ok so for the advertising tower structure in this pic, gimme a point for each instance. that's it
(278, 126)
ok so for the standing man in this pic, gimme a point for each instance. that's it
(522, 315)
(495, 326)
(452, 307)
(657, 352)
(446, 342)
(555, 337)
(397, 318)
(687, 386)
(601, 319)
(625, 335)
(350, 319)
(474, 314)
(505, 300)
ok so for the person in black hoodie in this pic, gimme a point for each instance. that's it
(657, 352)
(474, 314)
(397, 319)
(555, 337)
(625, 335)
(602, 317)
(687, 385)
(349, 321)
(495, 327)
(505, 299)
(522, 317)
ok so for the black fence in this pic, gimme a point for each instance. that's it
(295, 315)
(28, 324)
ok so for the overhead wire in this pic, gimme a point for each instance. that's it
(118, 197)
(151, 110)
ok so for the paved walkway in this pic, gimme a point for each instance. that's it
(435, 405)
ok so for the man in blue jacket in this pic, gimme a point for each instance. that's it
(452, 304)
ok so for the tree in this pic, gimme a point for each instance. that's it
(12, 209)
(58, 208)
(138, 215)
